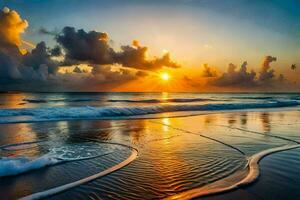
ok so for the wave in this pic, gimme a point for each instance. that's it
(37, 101)
(254, 98)
(59, 189)
(87, 112)
(163, 100)
(236, 180)
(10, 166)
(19, 165)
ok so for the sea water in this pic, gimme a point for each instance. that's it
(138, 145)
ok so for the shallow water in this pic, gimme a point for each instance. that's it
(174, 154)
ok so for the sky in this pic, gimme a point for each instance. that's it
(127, 45)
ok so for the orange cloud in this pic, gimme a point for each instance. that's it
(14, 26)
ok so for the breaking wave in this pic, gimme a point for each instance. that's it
(164, 100)
(19, 165)
(59, 189)
(87, 112)
(37, 101)
(10, 166)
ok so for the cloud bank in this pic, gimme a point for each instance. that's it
(39, 69)
(32, 70)
(93, 47)
(243, 78)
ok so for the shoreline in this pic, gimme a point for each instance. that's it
(230, 183)
(271, 182)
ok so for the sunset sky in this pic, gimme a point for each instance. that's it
(139, 45)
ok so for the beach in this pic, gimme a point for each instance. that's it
(155, 156)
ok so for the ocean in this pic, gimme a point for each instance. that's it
(147, 145)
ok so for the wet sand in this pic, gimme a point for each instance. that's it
(174, 155)
(279, 179)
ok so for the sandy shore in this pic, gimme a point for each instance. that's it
(279, 179)
(175, 155)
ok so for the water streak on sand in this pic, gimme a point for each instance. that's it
(62, 188)
(238, 179)
(202, 135)
(17, 146)
(234, 181)
(255, 132)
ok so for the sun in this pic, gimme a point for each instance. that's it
(165, 76)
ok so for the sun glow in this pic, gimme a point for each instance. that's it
(165, 76)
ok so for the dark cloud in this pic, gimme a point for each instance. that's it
(266, 78)
(40, 56)
(136, 57)
(266, 73)
(34, 70)
(141, 73)
(105, 75)
(236, 78)
(84, 46)
(38, 69)
(93, 47)
(8, 66)
(293, 66)
(16, 65)
(56, 51)
(208, 71)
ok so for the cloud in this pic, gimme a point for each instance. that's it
(141, 73)
(11, 27)
(242, 78)
(15, 64)
(40, 56)
(32, 70)
(236, 78)
(9, 66)
(84, 46)
(93, 47)
(56, 51)
(135, 56)
(208, 71)
(266, 73)
(38, 69)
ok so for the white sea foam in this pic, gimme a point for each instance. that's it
(87, 112)
(10, 166)
(68, 186)
(235, 181)
(14, 166)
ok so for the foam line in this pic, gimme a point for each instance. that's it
(20, 165)
(62, 188)
(7, 146)
(207, 137)
(234, 181)
(255, 132)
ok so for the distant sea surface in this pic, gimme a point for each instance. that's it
(147, 145)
